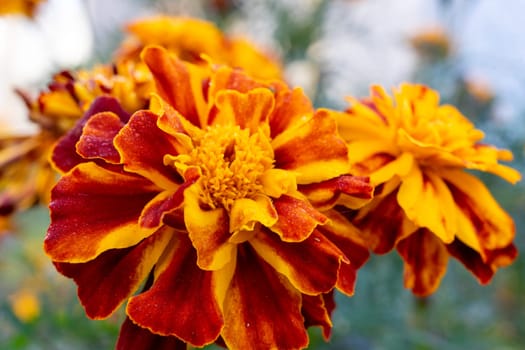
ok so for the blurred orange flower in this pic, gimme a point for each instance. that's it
(19, 7)
(190, 39)
(432, 42)
(206, 195)
(26, 176)
(426, 205)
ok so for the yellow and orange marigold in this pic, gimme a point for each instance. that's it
(195, 41)
(220, 195)
(426, 204)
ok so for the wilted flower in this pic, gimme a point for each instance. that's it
(426, 205)
(213, 195)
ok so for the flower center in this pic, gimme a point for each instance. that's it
(231, 163)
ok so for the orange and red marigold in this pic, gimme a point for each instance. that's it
(426, 205)
(26, 177)
(220, 196)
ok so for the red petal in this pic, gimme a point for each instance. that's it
(108, 280)
(261, 309)
(94, 210)
(173, 81)
(325, 194)
(297, 218)
(426, 261)
(97, 137)
(137, 338)
(483, 270)
(383, 223)
(349, 240)
(313, 149)
(181, 301)
(311, 265)
(317, 313)
(163, 204)
(290, 107)
(64, 156)
(142, 146)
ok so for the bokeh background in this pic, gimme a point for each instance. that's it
(471, 51)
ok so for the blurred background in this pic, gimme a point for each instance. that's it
(471, 51)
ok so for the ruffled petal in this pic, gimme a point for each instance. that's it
(290, 107)
(112, 277)
(317, 312)
(261, 309)
(228, 78)
(297, 218)
(350, 240)
(277, 182)
(319, 255)
(142, 146)
(176, 84)
(383, 223)
(182, 301)
(64, 156)
(312, 149)
(427, 201)
(96, 141)
(426, 260)
(248, 110)
(208, 230)
(485, 225)
(94, 210)
(134, 337)
(173, 123)
(246, 212)
(485, 158)
(363, 122)
(351, 191)
(401, 166)
(483, 267)
(166, 202)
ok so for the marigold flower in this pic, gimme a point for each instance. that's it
(26, 176)
(191, 38)
(426, 205)
(214, 194)
(71, 93)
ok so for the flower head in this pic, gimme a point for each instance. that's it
(426, 205)
(62, 109)
(214, 195)
(26, 175)
(195, 41)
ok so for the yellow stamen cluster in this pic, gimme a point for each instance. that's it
(231, 161)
